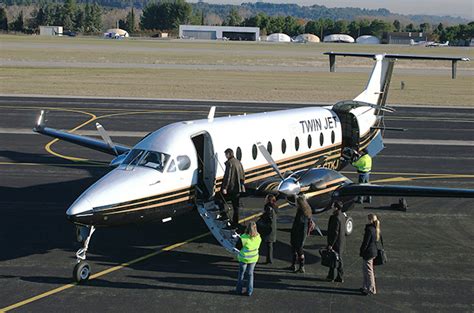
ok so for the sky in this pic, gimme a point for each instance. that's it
(463, 8)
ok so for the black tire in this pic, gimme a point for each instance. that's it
(81, 272)
(349, 227)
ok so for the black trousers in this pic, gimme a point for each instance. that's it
(340, 270)
(235, 200)
(269, 252)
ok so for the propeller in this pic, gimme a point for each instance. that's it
(106, 137)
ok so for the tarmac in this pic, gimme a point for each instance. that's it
(179, 267)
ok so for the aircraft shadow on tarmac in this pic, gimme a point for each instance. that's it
(197, 272)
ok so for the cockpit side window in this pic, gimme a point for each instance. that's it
(156, 160)
(133, 157)
(183, 162)
(172, 167)
(151, 159)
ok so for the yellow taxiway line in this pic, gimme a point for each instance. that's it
(115, 268)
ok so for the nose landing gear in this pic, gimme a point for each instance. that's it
(82, 270)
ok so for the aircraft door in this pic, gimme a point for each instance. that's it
(207, 165)
(350, 130)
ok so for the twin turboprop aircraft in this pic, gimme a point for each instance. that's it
(290, 152)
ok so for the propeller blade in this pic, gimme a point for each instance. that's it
(106, 137)
(269, 159)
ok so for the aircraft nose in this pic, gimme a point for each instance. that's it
(80, 207)
(289, 187)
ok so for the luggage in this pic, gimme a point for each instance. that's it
(329, 258)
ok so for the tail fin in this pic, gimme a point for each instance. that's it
(377, 88)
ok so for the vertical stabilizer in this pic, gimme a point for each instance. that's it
(379, 81)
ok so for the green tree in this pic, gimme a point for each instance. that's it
(341, 27)
(131, 21)
(397, 25)
(165, 15)
(18, 25)
(425, 27)
(378, 27)
(3, 19)
(69, 11)
(233, 18)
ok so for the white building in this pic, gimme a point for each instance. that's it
(339, 38)
(219, 32)
(368, 40)
(279, 37)
(307, 38)
(51, 30)
(116, 33)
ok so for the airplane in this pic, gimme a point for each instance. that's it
(292, 153)
(437, 44)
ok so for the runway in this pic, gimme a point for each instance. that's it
(178, 267)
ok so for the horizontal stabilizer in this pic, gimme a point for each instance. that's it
(397, 56)
(401, 191)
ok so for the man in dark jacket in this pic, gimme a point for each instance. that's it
(232, 184)
(336, 237)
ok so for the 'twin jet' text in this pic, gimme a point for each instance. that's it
(316, 124)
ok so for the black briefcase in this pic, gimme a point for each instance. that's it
(329, 258)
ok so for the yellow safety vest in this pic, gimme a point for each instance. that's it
(364, 164)
(249, 251)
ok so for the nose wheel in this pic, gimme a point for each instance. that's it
(82, 270)
(349, 226)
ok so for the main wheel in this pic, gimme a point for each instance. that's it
(81, 272)
(349, 225)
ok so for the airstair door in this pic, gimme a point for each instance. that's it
(207, 165)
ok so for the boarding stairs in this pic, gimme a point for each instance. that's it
(211, 215)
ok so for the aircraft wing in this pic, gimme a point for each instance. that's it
(401, 191)
(88, 142)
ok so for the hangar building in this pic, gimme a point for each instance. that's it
(339, 38)
(219, 32)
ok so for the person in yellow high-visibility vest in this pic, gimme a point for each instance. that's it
(363, 166)
(248, 245)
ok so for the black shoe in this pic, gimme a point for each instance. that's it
(339, 280)
(358, 201)
(229, 227)
(329, 279)
(300, 270)
(291, 268)
(222, 218)
(367, 201)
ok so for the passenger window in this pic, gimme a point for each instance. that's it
(183, 162)
(283, 146)
(297, 143)
(239, 154)
(310, 141)
(321, 139)
(172, 167)
(333, 137)
(269, 147)
(254, 152)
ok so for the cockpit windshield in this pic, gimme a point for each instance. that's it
(151, 159)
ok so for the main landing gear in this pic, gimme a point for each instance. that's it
(82, 270)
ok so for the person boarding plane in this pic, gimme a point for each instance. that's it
(176, 169)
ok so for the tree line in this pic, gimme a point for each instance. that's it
(167, 15)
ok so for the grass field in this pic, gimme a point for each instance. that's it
(220, 70)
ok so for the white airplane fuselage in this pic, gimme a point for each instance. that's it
(296, 139)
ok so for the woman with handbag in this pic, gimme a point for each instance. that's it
(368, 252)
(302, 225)
(269, 220)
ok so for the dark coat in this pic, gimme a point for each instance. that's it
(234, 176)
(270, 219)
(336, 232)
(368, 249)
(299, 231)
